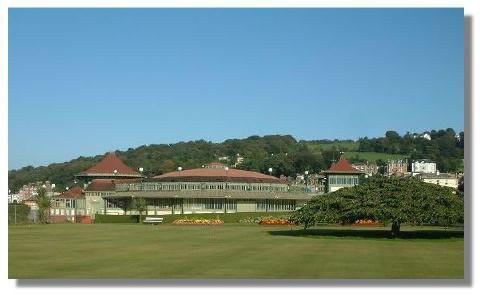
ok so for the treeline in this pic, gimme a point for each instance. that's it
(283, 153)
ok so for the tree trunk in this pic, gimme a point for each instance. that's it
(395, 229)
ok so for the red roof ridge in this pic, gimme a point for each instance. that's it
(342, 166)
(74, 192)
(111, 165)
(218, 175)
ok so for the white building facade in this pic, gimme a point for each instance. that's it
(424, 166)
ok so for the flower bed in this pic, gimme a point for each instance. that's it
(366, 222)
(198, 221)
(277, 221)
(266, 220)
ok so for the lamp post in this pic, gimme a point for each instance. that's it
(14, 207)
(270, 170)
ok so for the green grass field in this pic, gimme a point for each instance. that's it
(230, 251)
(373, 156)
(339, 145)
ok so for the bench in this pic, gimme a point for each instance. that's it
(153, 220)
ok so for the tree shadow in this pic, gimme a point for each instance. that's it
(369, 233)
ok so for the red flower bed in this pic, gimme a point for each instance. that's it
(366, 222)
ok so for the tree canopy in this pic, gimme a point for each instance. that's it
(283, 153)
(393, 200)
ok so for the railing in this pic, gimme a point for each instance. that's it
(193, 186)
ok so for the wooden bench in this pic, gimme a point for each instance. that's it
(153, 220)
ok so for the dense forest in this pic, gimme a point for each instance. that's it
(283, 153)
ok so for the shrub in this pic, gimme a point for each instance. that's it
(102, 218)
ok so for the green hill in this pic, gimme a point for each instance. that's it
(283, 153)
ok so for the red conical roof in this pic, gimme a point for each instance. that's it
(110, 165)
(342, 166)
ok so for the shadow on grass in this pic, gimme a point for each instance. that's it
(369, 233)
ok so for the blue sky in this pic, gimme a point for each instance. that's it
(88, 81)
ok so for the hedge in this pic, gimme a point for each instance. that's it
(102, 218)
(22, 213)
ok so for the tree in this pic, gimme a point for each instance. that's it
(393, 200)
(44, 204)
(141, 206)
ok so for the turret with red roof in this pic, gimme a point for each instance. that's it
(111, 167)
(341, 174)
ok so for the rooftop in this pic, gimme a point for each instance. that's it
(217, 173)
(110, 166)
(73, 193)
(342, 166)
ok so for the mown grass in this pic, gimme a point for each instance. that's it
(373, 156)
(229, 251)
(338, 145)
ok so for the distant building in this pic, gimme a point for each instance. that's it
(340, 175)
(13, 198)
(238, 160)
(28, 191)
(424, 166)
(424, 135)
(443, 179)
(397, 167)
(223, 159)
(367, 168)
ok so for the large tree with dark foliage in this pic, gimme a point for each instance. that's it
(392, 200)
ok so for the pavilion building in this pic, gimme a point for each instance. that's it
(214, 188)
(341, 174)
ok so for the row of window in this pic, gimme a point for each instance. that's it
(199, 186)
(343, 180)
(276, 205)
(96, 194)
(213, 204)
(64, 203)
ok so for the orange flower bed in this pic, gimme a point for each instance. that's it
(275, 222)
(198, 221)
(366, 222)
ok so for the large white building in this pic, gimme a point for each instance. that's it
(443, 179)
(424, 166)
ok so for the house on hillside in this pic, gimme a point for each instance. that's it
(424, 166)
(367, 168)
(397, 167)
(443, 179)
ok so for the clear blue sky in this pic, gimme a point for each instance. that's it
(88, 81)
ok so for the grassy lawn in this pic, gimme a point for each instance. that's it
(339, 145)
(230, 251)
(373, 156)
